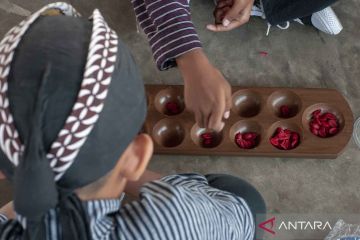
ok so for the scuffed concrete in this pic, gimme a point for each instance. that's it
(13, 8)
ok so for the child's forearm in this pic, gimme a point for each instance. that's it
(133, 188)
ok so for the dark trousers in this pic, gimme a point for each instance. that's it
(242, 189)
(279, 11)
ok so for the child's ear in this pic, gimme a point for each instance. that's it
(2, 176)
(136, 157)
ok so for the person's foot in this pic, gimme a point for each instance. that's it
(325, 20)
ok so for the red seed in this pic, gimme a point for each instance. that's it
(333, 131)
(285, 111)
(315, 131)
(249, 145)
(206, 135)
(316, 113)
(294, 139)
(285, 139)
(317, 121)
(315, 125)
(250, 136)
(287, 131)
(172, 108)
(330, 116)
(324, 125)
(238, 136)
(283, 136)
(246, 140)
(246, 144)
(207, 139)
(274, 141)
(262, 53)
(285, 144)
(333, 123)
(295, 136)
(247, 136)
(322, 132)
(322, 118)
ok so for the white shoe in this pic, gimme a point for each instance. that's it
(327, 21)
(324, 20)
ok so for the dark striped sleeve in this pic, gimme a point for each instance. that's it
(168, 27)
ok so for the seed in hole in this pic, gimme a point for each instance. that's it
(169, 101)
(172, 108)
(247, 140)
(324, 124)
(285, 139)
(207, 139)
(285, 111)
(284, 103)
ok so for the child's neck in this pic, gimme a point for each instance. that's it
(102, 190)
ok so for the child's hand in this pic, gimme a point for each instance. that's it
(207, 93)
(2, 176)
(234, 16)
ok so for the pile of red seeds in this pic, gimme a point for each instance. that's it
(207, 139)
(285, 111)
(324, 124)
(247, 140)
(285, 139)
(172, 108)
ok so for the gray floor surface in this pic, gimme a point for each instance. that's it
(297, 57)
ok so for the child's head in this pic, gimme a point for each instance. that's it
(71, 108)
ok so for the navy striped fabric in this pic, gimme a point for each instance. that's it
(168, 27)
(176, 207)
(3, 218)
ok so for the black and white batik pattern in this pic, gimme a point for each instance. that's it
(90, 102)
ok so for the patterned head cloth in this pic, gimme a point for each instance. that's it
(71, 100)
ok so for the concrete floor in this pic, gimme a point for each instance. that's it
(298, 57)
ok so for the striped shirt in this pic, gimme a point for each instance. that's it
(168, 27)
(180, 207)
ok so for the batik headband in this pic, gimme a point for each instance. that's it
(102, 56)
